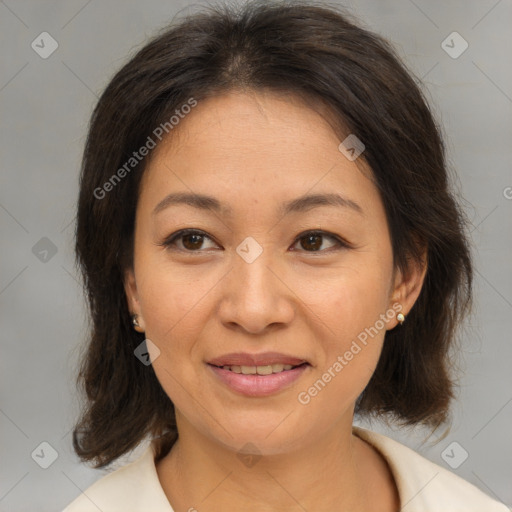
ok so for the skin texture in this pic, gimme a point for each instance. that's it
(253, 151)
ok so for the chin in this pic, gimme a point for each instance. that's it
(267, 433)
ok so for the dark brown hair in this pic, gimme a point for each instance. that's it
(312, 52)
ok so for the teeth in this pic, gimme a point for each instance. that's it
(259, 370)
(264, 370)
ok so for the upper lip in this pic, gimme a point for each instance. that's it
(263, 359)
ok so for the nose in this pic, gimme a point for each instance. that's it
(256, 297)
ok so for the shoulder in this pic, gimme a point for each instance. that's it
(133, 487)
(424, 486)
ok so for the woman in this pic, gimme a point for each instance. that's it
(269, 246)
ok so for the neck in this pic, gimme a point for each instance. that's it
(332, 474)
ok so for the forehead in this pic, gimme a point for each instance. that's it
(259, 123)
(260, 146)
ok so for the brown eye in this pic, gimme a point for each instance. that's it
(187, 241)
(192, 241)
(313, 241)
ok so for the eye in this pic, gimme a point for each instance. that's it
(192, 240)
(312, 241)
(188, 240)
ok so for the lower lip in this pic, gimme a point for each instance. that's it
(259, 385)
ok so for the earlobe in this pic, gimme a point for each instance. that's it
(408, 285)
(132, 298)
(137, 323)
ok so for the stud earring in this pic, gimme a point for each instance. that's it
(136, 324)
(401, 318)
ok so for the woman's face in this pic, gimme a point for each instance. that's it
(252, 285)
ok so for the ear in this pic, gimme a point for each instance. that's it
(132, 299)
(407, 285)
(130, 288)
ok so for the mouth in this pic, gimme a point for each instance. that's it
(258, 375)
(265, 359)
(268, 369)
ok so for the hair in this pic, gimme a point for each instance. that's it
(309, 51)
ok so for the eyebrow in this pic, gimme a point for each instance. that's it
(301, 204)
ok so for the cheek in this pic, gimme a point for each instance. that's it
(351, 300)
(352, 309)
(349, 354)
(173, 300)
(174, 312)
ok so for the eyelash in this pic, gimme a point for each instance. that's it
(169, 242)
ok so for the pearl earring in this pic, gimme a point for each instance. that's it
(136, 324)
(401, 318)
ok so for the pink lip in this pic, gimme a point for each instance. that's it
(263, 359)
(259, 385)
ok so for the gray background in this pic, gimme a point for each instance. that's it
(45, 106)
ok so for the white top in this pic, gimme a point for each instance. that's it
(422, 485)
